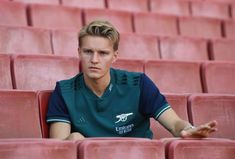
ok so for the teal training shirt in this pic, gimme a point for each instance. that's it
(122, 111)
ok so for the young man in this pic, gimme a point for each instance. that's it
(105, 102)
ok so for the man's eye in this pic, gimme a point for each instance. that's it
(103, 53)
(87, 51)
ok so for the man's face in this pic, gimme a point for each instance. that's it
(96, 55)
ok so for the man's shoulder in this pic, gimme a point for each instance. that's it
(125, 77)
(71, 83)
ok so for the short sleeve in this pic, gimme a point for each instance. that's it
(57, 110)
(152, 103)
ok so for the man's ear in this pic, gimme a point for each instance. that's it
(115, 56)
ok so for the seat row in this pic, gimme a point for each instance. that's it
(40, 72)
(186, 7)
(27, 40)
(115, 148)
(61, 17)
(23, 113)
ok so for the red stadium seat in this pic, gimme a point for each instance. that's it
(129, 65)
(19, 114)
(5, 72)
(65, 42)
(130, 5)
(178, 102)
(42, 72)
(136, 46)
(37, 149)
(178, 8)
(53, 2)
(175, 76)
(55, 17)
(13, 14)
(120, 19)
(155, 24)
(188, 49)
(198, 149)
(43, 107)
(85, 4)
(207, 107)
(219, 77)
(24, 40)
(200, 27)
(229, 29)
(223, 49)
(210, 9)
(121, 148)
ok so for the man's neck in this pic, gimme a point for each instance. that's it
(98, 86)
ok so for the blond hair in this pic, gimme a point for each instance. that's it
(100, 28)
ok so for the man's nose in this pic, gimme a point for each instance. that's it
(95, 58)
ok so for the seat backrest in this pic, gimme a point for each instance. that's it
(41, 72)
(24, 40)
(65, 42)
(13, 14)
(218, 77)
(129, 65)
(136, 46)
(130, 5)
(55, 16)
(84, 4)
(19, 114)
(210, 9)
(175, 76)
(121, 148)
(120, 19)
(31, 148)
(223, 49)
(155, 24)
(198, 149)
(179, 8)
(221, 108)
(44, 97)
(229, 28)
(186, 49)
(199, 27)
(5, 72)
(179, 104)
(53, 2)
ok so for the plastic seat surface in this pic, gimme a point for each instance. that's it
(85, 4)
(55, 16)
(24, 40)
(125, 148)
(19, 114)
(186, 49)
(219, 77)
(42, 72)
(208, 107)
(65, 42)
(175, 76)
(155, 24)
(53, 2)
(31, 148)
(13, 14)
(200, 149)
(179, 8)
(134, 46)
(200, 27)
(130, 5)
